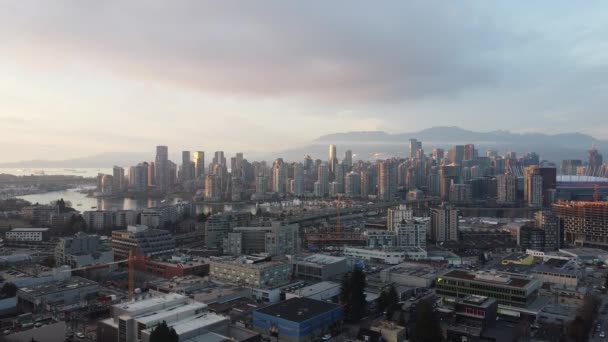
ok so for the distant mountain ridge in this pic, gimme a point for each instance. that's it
(371, 145)
(457, 134)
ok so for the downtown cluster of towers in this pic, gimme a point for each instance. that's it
(459, 175)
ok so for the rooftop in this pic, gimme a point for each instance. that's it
(160, 315)
(322, 259)
(57, 286)
(298, 309)
(150, 302)
(29, 230)
(489, 277)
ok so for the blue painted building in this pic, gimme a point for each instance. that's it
(298, 319)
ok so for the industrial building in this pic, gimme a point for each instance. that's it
(298, 319)
(411, 274)
(73, 290)
(319, 266)
(135, 321)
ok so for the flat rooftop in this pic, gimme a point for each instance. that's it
(150, 302)
(486, 277)
(322, 259)
(57, 286)
(29, 230)
(168, 312)
(298, 309)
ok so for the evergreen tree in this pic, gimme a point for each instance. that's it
(427, 327)
(352, 295)
(163, 333)
(8, 290)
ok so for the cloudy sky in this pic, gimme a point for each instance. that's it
(81, 77)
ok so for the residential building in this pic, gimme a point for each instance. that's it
(507, 188)
(396, 216)
(219, 225)
(444, 224)
(278, 239)
(412, 233)
(583, 223)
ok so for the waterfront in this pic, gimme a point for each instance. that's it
(81, 202)
(27, 171)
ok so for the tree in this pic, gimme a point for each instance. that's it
(8, 290)
(352, 295)
(389, 302)
(427, 327)
(163, 333)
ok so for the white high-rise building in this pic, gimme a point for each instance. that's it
(444, 224)
(412, 233)
(279, 178)
(397, 215)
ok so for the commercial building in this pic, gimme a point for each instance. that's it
(278, 239)
(27, 235)
(533, 186)
(583, 223)
(173, 266)
(472, 315)
(411, 274)
(319, 266)
(380, 238)
(385, 255)
(82, 250)
(507, 188)
(507, 289)
(73, 290)
(325, 290)
(244, 271)
(298, 319)
(98, 219)
(142, 240)
(219, 225)
(192, 321)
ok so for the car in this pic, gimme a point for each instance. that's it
(602, 334)
(326, 337)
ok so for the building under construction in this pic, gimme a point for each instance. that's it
(583, 223)
(334, 239)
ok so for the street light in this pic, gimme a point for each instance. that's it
(274, 331)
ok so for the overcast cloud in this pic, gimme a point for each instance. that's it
(244, 75)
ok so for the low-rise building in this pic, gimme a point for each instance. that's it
(472, 315)
(27, 235)
(387, 255)
(191, 320)
(411, 274)
(507, 289)
(74, 290)
(277, 239)
(82, 250)
(319, 266)
(173, 266)
(244, 271)
(377, 238)
(298, 319)
(325, 290)
(141, 240)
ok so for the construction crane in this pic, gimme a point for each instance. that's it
(131, 260)
(596, 193)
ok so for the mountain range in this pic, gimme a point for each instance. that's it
(371, 145)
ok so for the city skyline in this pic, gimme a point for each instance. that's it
(225, 76)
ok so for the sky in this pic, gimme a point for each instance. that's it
(83, 77)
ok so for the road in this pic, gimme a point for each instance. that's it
(603, 321)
